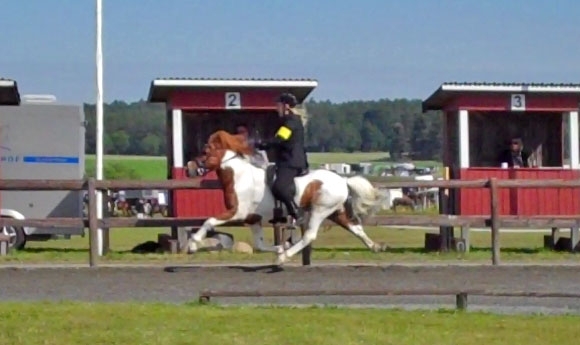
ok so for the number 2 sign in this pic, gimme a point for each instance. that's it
(518, 102)
(233, 100)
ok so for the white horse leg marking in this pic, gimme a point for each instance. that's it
(258, 234)
(317, 216)
(359, 232)
(341, 219)
(201, 233)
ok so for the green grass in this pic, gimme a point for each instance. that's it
(153, 323)
(146, 167)
(332, 244)
(349, 158)
(155, 168)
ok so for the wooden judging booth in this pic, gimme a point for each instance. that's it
(480, 119)
(197, 107)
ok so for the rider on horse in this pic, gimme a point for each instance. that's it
(291, 159)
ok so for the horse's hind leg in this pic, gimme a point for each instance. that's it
(317, 216)
(341, 218)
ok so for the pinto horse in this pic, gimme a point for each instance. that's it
(248, 197)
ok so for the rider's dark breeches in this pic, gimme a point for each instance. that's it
(284, 189)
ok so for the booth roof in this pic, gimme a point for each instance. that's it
(448, 90)
(161, 88)
(9, 94)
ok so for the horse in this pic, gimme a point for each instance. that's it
(247, 195)
(403, 201)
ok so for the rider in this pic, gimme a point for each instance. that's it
(291, 160)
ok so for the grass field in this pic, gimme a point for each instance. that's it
(332, 245)
(155, 168)
(159, 324)
(146, 167)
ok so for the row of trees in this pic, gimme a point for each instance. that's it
(395, 126)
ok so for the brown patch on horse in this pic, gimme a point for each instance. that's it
(252, 219)
(226, 178)
(218, 143)
(310, 193)
(222, 140)
(340, 218)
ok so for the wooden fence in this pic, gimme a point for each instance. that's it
(494, 221)
(461, 296)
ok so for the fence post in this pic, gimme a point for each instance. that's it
(306, 251)
(461, 301)
(494, 208)
(93, 224)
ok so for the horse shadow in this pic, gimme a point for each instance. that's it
(268, 269)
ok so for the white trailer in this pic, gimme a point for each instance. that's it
(41, 139)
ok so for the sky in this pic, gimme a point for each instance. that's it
(357, 50)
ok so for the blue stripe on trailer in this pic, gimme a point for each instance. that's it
(51, 159)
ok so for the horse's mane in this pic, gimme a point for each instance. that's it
(226, 141)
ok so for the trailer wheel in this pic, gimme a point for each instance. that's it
(17, 237)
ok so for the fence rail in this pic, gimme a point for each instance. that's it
(493, 220)
(460, 295)
(407, 220)
(198, 183)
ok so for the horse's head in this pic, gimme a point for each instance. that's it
(221, 147)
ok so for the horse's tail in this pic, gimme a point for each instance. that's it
(365, 197)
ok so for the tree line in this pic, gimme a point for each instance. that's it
(395, 126)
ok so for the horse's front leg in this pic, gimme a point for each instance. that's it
(210, 223)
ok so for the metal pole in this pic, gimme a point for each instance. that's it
(99, 124)
(93, 224)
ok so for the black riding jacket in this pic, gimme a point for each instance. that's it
(289, 144)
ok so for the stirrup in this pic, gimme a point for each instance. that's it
(294, 223)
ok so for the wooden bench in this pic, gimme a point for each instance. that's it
(4, 244)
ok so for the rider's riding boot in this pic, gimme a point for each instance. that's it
(296, 213)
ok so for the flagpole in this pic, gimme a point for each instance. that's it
(99, 124)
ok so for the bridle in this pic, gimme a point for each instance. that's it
(202, 166)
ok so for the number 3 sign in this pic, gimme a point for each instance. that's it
(233, 100)
(518, 102)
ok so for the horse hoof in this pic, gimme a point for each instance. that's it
(281, 259)
(381, 247)
(192, 247)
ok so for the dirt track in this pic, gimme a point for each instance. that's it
(181, 284)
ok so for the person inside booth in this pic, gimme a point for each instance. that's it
(259, 158)
(515, 155)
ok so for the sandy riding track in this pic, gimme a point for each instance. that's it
(183, 283)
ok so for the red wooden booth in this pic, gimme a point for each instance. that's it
(198, 107)
(479, 121)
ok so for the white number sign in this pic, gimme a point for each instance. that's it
(518, 102)
(233, 100)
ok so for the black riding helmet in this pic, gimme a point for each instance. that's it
(287, 98)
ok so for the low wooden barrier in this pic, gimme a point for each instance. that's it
(494, 221)
(461, 296)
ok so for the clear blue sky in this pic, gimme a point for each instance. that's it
(365, 49)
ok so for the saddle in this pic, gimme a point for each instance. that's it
(278, 209)
(271, 174)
